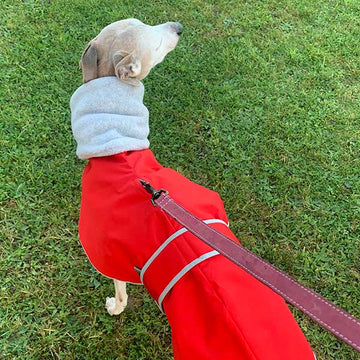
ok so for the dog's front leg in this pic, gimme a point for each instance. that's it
(116, 305)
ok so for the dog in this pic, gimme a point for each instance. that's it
(215, 309)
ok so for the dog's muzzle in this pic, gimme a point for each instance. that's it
(178, 28)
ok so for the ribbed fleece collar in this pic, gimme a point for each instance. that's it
(109, 117)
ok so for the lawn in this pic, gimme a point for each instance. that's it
(260, 102)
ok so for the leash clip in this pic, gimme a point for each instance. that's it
(155, 194)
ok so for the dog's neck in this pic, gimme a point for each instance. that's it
(109, 117)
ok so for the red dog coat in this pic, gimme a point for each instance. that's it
(215, 309)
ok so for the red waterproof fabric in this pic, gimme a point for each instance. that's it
(217, 310)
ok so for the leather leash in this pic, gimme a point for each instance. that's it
(334, 319)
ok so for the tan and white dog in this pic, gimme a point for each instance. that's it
(215, 309)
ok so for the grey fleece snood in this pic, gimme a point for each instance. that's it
(109, 117)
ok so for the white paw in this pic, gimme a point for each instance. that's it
(112, 307)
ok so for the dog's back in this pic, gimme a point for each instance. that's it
(216, 310)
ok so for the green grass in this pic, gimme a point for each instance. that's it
(260, 102)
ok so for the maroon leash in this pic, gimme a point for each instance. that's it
(334, 319)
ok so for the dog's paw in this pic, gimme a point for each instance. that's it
(112, 307)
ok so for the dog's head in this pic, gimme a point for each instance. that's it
(128, 49)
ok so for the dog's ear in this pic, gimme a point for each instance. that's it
(88, 62)
(127, 67)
